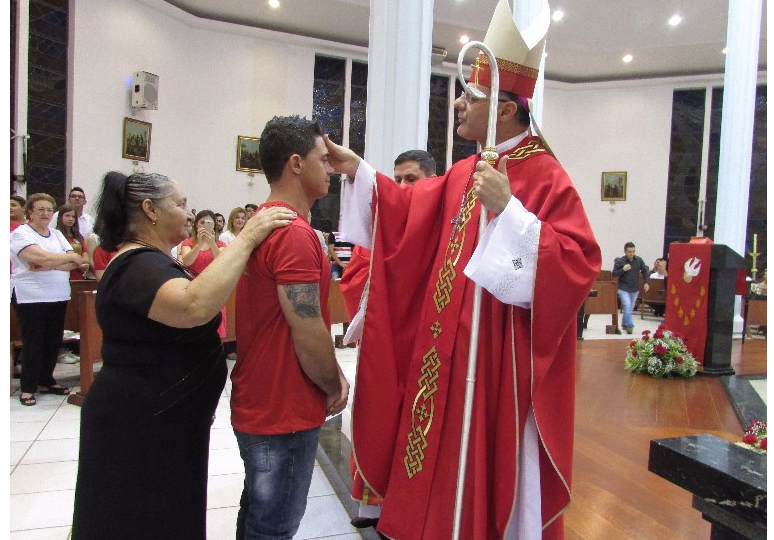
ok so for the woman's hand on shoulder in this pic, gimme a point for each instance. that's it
(266, 220)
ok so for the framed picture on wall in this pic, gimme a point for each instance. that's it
(247, 154)
(614, 186)
(137, 140)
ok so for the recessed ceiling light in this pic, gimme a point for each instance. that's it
(558, 15)
(464, 39)
(627, 58)
(274, 4)
(675, 20)
(725, 51)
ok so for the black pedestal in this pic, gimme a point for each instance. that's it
(724, 266)
(728, 482)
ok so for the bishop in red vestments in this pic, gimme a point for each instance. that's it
(536, 261)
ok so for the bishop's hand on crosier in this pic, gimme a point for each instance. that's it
(492, 186)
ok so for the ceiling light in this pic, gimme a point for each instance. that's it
(675, 20)
(558, 15)
(627, 58)
(464, 39)
(274, 4)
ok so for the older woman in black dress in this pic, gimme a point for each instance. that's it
(145, 423)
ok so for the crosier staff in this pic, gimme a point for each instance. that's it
(490, 155)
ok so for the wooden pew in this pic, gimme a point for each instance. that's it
(336, 304)
(91, 343)
(656, 294)
(756, 314)
(606, 301)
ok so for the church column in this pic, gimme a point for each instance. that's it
(744, 23)
(399, 50)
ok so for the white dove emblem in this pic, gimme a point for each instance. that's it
(692, 268)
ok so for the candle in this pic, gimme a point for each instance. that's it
(755, 244)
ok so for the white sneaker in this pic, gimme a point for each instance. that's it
(68, 358)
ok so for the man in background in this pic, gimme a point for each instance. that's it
(413, 165)
(77, 198)
(410, 167)
(250, 209)
(628, 269)
(286, 379)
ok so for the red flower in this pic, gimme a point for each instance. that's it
(659, 349)
(634, 352)
(645, 332)
(632, 343)
(659, 334)
(645, 337)
(679, 360)
(749, 438)
(661, 327)
(763, 443)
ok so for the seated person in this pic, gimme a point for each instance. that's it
(659, 271)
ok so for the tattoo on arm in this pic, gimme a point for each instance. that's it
(305, 299)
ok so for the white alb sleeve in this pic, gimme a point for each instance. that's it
(355, 221)
(505, 260)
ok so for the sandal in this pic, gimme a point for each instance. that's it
(29, 400)
(56, 391)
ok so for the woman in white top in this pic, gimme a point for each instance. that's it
(236, 221)
(41, 260)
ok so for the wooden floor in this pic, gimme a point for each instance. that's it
(617, 414)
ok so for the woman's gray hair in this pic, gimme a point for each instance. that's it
(119, 210)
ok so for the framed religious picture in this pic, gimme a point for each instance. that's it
(614, 186)
(137, 140)
(247, 154)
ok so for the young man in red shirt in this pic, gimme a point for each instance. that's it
(286, 379)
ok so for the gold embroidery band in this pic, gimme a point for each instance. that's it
(422, 413)
(510, 67)
(529, 149)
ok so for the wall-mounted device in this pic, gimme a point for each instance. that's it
(145, 90)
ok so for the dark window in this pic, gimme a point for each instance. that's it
(438, 121)
(328, 108)
(47, 100)
(685, 170)
(357, 107)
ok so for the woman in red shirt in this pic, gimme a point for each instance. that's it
(200, 250)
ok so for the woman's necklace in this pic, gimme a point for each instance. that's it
(188, 271)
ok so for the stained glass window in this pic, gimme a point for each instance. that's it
(438, 121)
(47, 100)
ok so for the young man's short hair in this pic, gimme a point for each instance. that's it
(283, 137)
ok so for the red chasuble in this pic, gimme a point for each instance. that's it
(410, 388)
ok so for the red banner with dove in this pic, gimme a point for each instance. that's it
(688, 292)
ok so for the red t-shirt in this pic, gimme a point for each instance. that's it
(271, 394)
(203, 258)
(102, 258)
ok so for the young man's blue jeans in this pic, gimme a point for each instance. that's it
(278, 471)
(628, 299)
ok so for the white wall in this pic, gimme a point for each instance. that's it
(615, 129)
(220, 80)
(213, 86)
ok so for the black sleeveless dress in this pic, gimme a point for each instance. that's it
(145, 422)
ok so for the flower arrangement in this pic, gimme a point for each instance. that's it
(755, 437)
(662, 354)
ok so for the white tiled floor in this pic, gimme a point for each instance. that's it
(44, 460)
(44, 463)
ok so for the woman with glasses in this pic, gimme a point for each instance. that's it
(41, 261)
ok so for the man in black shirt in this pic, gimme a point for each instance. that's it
(626, 269)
